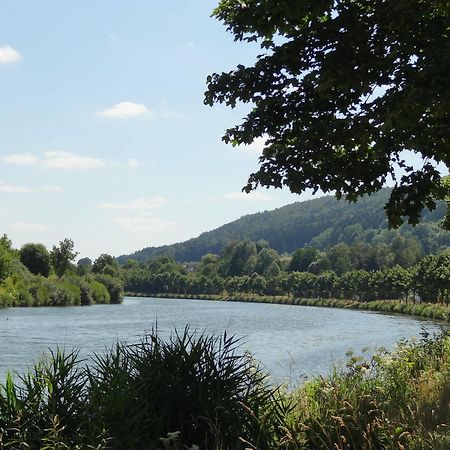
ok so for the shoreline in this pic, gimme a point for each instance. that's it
(433, 311)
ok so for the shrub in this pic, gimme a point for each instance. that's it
(194, 387)
(36, 259)
(64, 293)
(114, 286)
(99, 292)
(40, 289)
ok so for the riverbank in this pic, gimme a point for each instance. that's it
(202, 392)
(424, 310)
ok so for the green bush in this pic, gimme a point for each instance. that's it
(392, 401)
(14, 291)
(40, 290)
(64, 293)
(113, 285)
(194, 391)
(196, 387)
(100, 294)
(85, 289)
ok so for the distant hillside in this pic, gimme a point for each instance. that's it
(321, 222)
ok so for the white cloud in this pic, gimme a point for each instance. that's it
(126, 110)
(144, 224)
(20, 159)
(132, 162)
(68, 160)
(141, 203)
(9, 55)
(31, 227)
(254, 195)
(14, 189)
(65, 160)
(9, 188)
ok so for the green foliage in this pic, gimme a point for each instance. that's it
(99, 292)
(199, 392)
(65, 293)
(26, 282)
(391, 401)
(431, 277)
(360, 271)
(46, 409)
(198, 387)
(320, 223)
(41, 291)
(113, 285)
(106, 264)
(36, 259)
(84, 266)
(302, 258)
(267, 259)
(238, 258)
(339, 89)
(6, 257)
(62, 256)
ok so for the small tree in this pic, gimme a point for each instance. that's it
(106, 264)
(6, 257)
(36, 258)
(84, 266)
(62, 256)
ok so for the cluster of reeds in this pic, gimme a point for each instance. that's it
(198, 392)
(391, 401)
(194, 388)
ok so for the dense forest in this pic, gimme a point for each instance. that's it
(34, 276)
(359, 271)
(321, 223)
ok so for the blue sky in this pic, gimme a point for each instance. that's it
(104, 135)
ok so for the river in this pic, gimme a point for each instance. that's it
(290, 341)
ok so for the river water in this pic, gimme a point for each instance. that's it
(290, 341)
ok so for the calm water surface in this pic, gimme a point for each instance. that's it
(290, 341)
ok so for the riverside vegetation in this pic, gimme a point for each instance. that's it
(200, 392)
(395, 278)
(33, 276)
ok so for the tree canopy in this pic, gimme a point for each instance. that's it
(62, 256)
(36, 258)
(340, 90)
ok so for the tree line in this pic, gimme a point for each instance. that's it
(35, 276)
(321, 223)
(360, 271)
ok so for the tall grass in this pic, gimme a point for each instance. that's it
(392, 401)
(197, 386)
(195, 391)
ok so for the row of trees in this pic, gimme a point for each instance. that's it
(245, 257)
(249, 267)
(34, 276)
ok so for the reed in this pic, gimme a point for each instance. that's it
(194, 391)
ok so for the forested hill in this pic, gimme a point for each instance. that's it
(321, 222)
